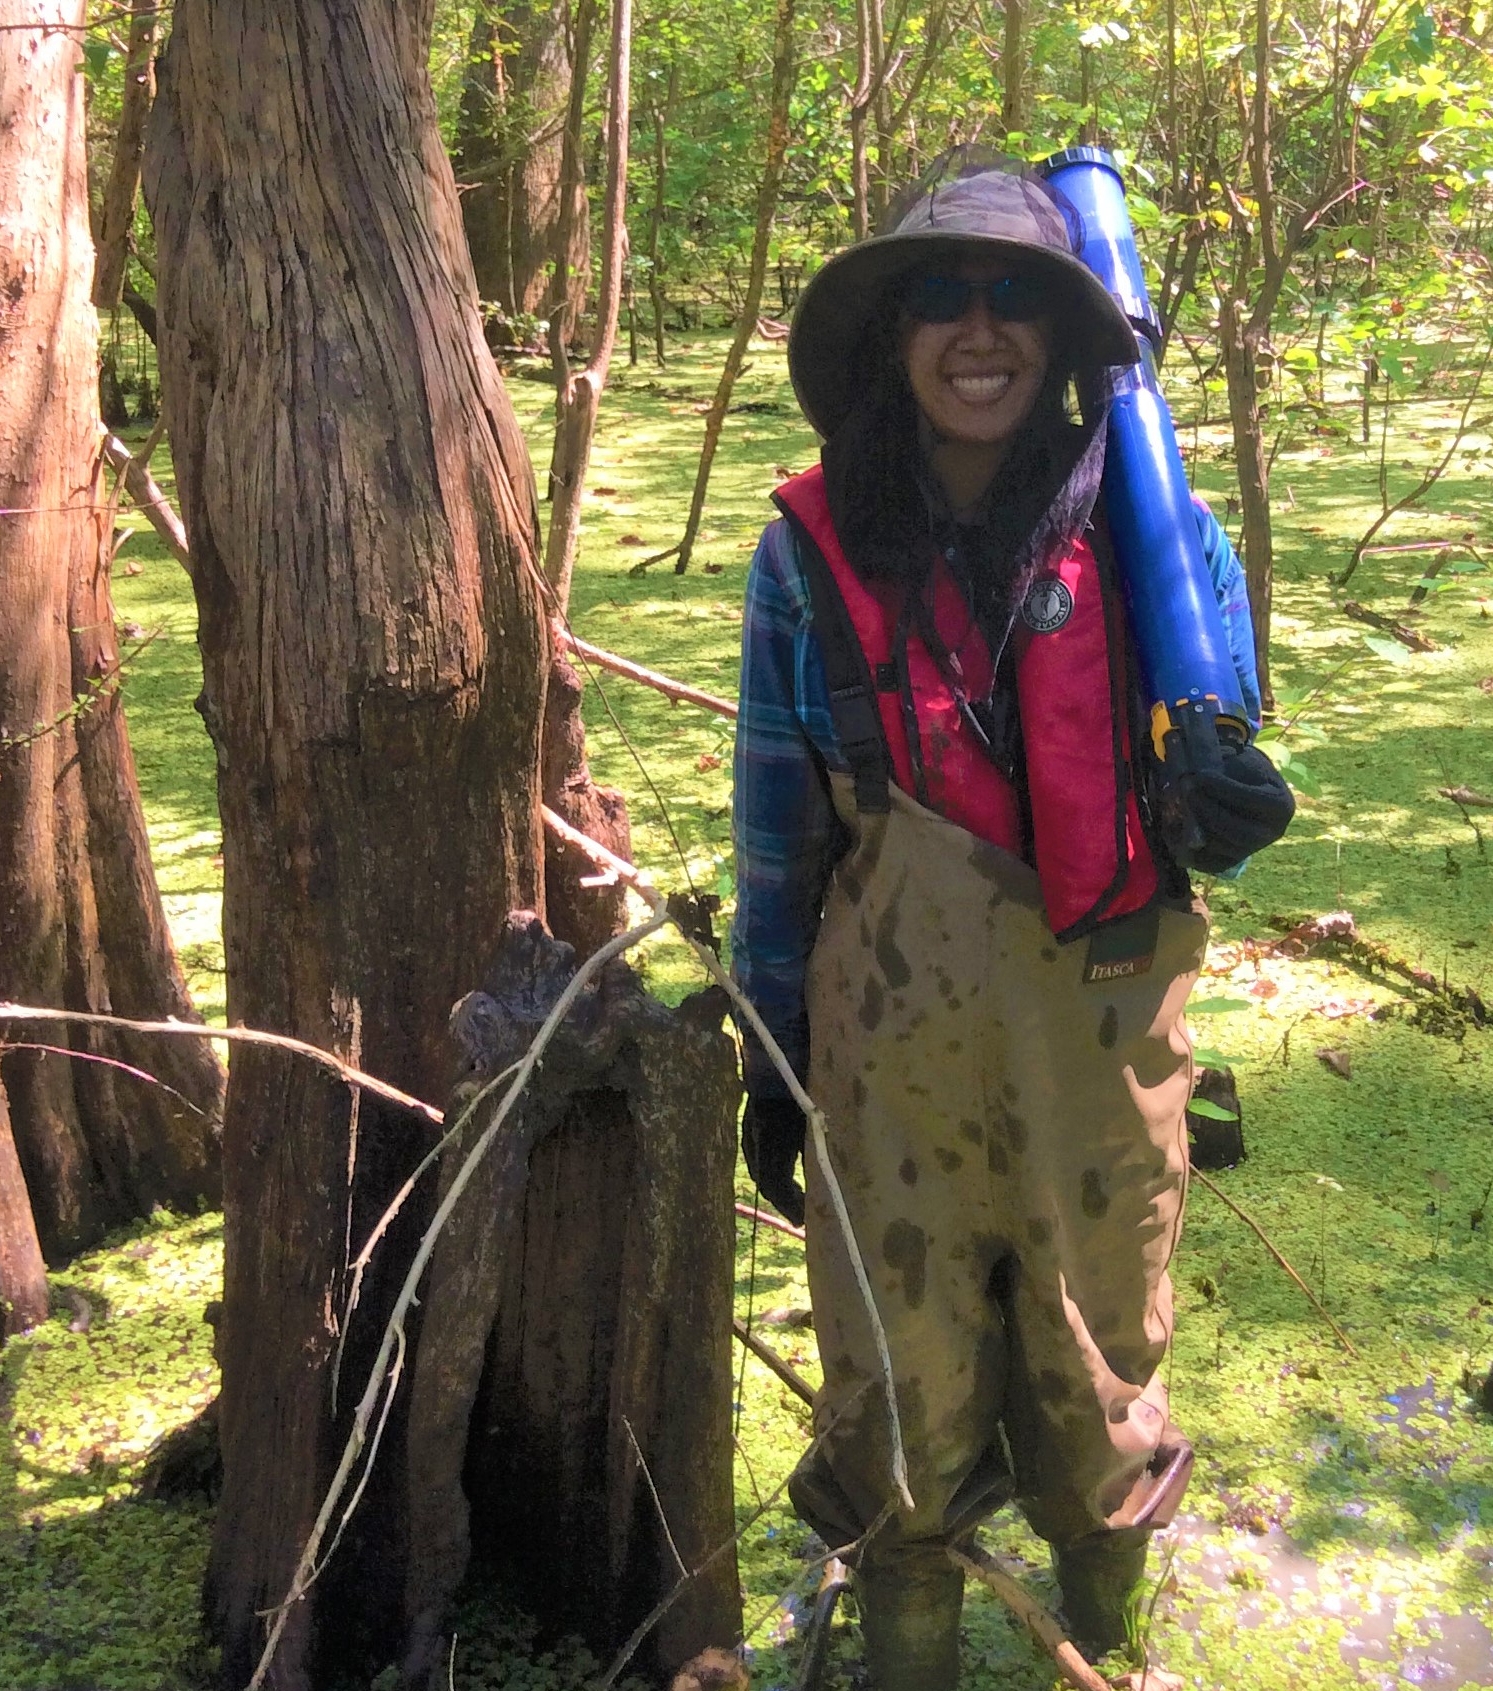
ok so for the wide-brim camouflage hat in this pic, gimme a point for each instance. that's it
(963, 207)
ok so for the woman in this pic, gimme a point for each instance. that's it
(959, 922)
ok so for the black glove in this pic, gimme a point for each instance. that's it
(772, 1139)
(1234, 806)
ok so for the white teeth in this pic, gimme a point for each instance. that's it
(980, 388)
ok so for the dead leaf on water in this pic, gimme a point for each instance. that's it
(1336, 1007)
(1337, 1059)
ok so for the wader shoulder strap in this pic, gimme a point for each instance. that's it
(852, 689)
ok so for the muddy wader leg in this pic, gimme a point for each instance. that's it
(1102, 1579)
(1102, 1575)
(910, 1601)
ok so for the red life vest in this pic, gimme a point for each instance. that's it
(1092, 857)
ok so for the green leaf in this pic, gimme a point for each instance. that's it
(1144, 213)
(1301, 778)
(1219, 1006)
(95, 57)
(1211, 1111)
(1276, 750)
(1390, 650)
(1208, 1057)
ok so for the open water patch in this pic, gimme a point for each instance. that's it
(1268, 1576)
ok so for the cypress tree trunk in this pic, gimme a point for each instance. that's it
(364, 532)
(117, 213)
(81, 925)
(508, 152)
(23, 1275)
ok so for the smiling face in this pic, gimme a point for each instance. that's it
(975, 379)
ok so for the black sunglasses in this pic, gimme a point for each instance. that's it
(945, 299)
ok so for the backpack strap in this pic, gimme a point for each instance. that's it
(852, 688)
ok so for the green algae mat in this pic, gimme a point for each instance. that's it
(1339, 1531)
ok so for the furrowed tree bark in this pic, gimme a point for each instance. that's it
(81, 925)
(117, 213)
(23, 1274)
(578, 398)
(1013, 69)
(585, 916)
(784, 72)
(508, 153)
(363, 533)
(659, 208)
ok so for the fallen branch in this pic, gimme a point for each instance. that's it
(768, 1220)
(110, 1063)
(619, 1662)
(769, 1358)
(1410, 637)
(637, 879)
(1466, 798)
(1339, 929)
(677, 691)
(230, 1036)
(1039, 1621)
(1265, 1239)
(147, 495)
(1444, 550)
(643, 565)
(1428, 479)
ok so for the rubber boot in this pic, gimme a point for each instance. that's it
(1101, 1578)
(909, 1605)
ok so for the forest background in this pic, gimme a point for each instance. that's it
(1311, 190)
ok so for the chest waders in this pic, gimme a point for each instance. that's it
(1011, 1141)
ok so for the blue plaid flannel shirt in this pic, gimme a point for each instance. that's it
(786, 833)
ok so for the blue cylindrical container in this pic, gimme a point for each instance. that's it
(1174, 612)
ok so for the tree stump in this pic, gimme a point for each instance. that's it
(577, 1321)
(1214, 1143)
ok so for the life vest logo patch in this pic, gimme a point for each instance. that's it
(1047, 606)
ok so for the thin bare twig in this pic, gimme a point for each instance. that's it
(307, 1565)
(769, 1358)
(359, 1264)
(769, 1220)
(230, 1036)
(1411, 638)
(663, 1519)
(746, 1011)
(676, 691)
(105, 1062)
(148, 497)
(1269, 1244)
(1042, 1625)
(1428, 479)
(619, 1662)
